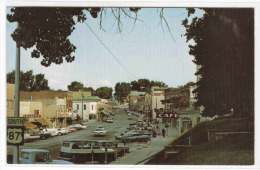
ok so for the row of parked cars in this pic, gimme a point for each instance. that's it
(136, 132)
(50, 132)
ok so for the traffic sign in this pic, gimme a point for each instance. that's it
(15, 131)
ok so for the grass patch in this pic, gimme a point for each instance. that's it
(231, 150)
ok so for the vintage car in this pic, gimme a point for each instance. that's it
(30, 138)
(61, 131)
(77, 126)
(100, 132)
(132, 136)
(110, 120)
(82, 150)
(130, 118)
(52, 131)
(38, 156)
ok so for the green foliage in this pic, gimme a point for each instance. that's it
(224, 50)
(144, 85)
(122, 90)
(75, 86)
(104, 92)
(48, 29)
(28, 81)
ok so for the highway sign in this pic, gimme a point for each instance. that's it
(15, 131)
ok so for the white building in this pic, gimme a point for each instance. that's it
(157, 95)
(86, 107)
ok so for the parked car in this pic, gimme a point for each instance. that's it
(61, 131)
(110, 120)
(38, 156)
(52, 131)
(100, 132)
(78, 126)
(132, 136)
(29, 138)
(82, 150)
(72, 129)
(129, 118)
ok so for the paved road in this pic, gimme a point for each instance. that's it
(53, 144)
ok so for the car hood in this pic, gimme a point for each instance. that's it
(60, 162)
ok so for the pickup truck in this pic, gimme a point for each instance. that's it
(38, 156)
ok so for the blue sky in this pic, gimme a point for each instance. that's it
(145, 50)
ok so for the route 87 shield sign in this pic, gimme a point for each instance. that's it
(15, 131)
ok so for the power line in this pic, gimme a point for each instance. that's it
(110, 52)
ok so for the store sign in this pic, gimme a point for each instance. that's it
(32, 116)
(60, 115)
(15, 131)
(165, 113)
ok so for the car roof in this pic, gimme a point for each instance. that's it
(78, 140)
(34, 150)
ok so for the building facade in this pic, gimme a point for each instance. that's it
(10, 93)
(85, 107)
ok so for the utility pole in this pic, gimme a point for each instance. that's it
(82, 107)
(17, 99)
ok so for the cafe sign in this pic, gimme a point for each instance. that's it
(166, 113)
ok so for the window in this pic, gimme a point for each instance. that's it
(92, 107)
(77, 106)
(66, 144)
(77, 145)
(25, 155)
(86, 145)
(85, 107)
(96, 145)
(40, 157)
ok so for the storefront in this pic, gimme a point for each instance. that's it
(64, 119)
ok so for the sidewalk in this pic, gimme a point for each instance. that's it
(141, 153)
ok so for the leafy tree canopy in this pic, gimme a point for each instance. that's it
(29, 81)
(224, 50)
(104, 92)
(48, 29)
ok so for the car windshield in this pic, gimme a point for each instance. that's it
(41, 157)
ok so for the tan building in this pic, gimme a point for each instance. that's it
(30, 108)
(10, 93)
(157, 96)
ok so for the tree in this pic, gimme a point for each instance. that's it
(75, 86)
(104, 92)
(224, 50)
(28, 81)
(135, 85)
(122, 90)
(48, 29)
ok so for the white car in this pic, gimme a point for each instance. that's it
(61, 131)
(100, 132)
(53, 131)
(110, 120)
(28, 137)
(80, 126)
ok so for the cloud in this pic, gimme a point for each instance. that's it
(97, 83)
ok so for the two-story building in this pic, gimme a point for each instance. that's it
(85, 107)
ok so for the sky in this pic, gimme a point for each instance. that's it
(146, 50)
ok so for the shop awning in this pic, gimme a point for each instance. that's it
(42, 121)
(47, 120)
(29, 125)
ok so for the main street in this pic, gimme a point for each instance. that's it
(54, 144)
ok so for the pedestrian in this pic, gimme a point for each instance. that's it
(158, 129)
(163, 132)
